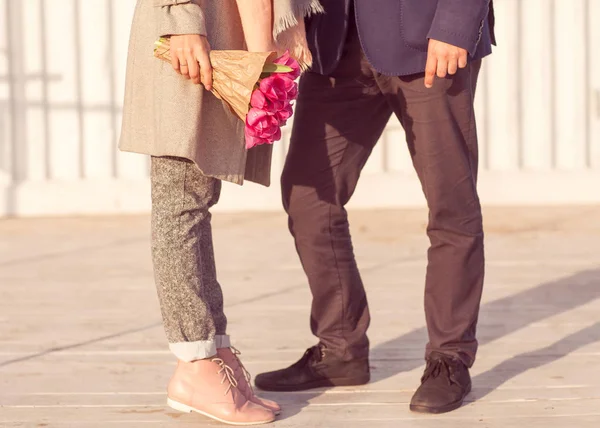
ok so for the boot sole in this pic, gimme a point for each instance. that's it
(324, 383)
(444, 409)
(180, 407)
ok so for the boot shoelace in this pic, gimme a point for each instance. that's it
(316, 353)
(438, 367)
(228, 375)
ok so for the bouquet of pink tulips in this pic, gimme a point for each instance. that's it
(271, 104)
(256, 86)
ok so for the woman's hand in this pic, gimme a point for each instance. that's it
(190, 57)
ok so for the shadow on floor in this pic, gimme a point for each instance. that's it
(519, 311)
(77, 345)
(519, 364)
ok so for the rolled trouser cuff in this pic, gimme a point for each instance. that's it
(200, 350)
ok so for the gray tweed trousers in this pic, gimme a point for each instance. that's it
(190, 296)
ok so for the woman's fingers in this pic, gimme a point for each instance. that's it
(193, 67)
(191, 58)
(175, 63)
(203, 58)
(184, 67)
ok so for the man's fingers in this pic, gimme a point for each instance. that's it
(442, 67)
(443, 59)
(462, 59)
(430, 70)
(452, 65)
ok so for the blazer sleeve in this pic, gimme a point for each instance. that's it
(176, 17)
(460, 23)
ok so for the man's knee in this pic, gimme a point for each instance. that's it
(463, 218)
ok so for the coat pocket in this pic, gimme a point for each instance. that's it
(415, 22)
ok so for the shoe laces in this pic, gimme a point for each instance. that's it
(439, 366)
(236, 353)
(228, 375)
(316, 353)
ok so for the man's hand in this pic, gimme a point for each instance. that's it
(190, 58)
(443, 59)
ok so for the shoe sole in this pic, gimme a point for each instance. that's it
(180, 407)
(437, 410)
(325, 383)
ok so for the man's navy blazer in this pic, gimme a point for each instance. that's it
(394, 33)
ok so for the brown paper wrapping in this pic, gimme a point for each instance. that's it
(235, 74)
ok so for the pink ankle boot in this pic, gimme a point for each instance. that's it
(231, 357)
(210, 388)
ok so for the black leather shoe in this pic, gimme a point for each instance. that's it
(444, 385)
(316, 369)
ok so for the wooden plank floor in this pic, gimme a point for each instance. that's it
(81, 343)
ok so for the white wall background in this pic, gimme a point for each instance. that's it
(62, 75)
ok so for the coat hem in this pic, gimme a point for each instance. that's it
(231, 178)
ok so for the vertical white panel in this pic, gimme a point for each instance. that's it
(32, 52)
(34, 145)
(279, 152)
(570, 84)
(537, 85)
(481, 115)
(62, 50)
(593, 58)
(17, 90)
(5, 112)
(35, 81)
(398, 156)
(96, 92)
(376, 161)
(503, 90)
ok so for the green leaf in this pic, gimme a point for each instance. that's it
(276, 68)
